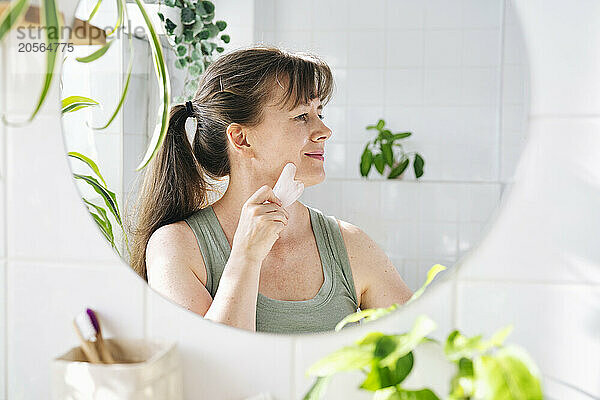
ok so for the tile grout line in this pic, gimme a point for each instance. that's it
(293, 368)
(499, 134)
(3, 170)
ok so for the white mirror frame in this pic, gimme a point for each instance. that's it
(538, 267)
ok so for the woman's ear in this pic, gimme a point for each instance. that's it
(238, 138)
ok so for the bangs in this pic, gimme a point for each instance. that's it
(302, 77)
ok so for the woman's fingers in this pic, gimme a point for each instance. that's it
(277, 216)
(265, 193)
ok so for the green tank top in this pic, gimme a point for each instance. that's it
(335, 299)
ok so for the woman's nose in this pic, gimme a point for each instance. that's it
(322, 133)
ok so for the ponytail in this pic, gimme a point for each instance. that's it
(173, 187)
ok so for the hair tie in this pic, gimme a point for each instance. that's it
(188, 107)
(191, 123)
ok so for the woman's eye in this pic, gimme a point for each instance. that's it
(304, 117)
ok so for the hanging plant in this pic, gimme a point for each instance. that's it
(196, 41)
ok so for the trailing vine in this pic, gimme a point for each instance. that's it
(196, 41)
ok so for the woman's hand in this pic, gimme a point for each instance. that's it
(259, 226)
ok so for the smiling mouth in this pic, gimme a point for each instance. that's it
(318, 156)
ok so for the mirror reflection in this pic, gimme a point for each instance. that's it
(312, 166)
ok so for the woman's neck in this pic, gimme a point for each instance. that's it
(229, 207)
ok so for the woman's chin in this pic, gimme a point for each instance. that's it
(313, 179)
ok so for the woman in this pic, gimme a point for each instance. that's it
(246, 261)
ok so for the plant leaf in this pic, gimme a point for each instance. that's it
(188, 16)
(379, 163)
(108, 196)
(380, 124)
(165, 89)
(124, 94)
(95, 10)
(459, 346)
(388, 155)
(74, 103)
(398, 169)
(120, 13)
(90, 163)
(366, 160)
(508, 374)
(407, 342)
(418, 164)
(403, 394)
(102, 221)
(97, 54)
(49, 20)
(378, 378)
(347, 358)
(431, 274)
(402, 135)
(317, 391)
(11, 16)
(369, 314)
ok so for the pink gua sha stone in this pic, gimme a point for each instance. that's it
(287, 189)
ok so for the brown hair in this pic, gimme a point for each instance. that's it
(234, 88)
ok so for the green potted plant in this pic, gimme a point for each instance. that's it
(484, 369)
(196, 41)
(384, 150)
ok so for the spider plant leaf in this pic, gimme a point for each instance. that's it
(418, 164)
(120, 13)
(123, 95)
(95, 10)
(164, 89)
(49, 20)
(380, 124)
(102, 226)
(11, 16)
(74, 103)
(90, 163)
(102, 221)
(109, 197)
(96, 54)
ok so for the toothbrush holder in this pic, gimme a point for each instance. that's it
(143, 370)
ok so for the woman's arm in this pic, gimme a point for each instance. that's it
(377, 282)
(176, 270)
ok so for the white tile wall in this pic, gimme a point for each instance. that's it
(436, 69)
(219, 361)
(45, 296)
(557, 308)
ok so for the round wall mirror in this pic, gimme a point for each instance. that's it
(403, 130)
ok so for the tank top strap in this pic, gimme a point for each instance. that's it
(213, 245)
(330, 238)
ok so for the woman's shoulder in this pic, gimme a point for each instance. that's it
(174, 246)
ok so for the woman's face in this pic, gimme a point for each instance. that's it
(296, 136)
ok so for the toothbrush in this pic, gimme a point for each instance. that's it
(82, 328)
(104, 353)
